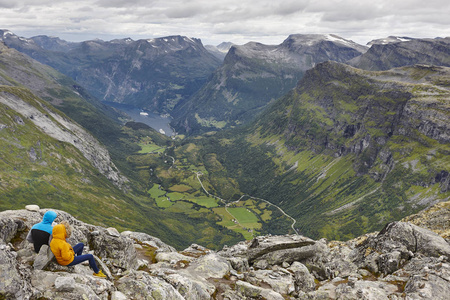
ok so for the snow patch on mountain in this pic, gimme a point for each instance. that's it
(389, 40)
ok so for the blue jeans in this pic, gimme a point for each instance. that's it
(79, 257)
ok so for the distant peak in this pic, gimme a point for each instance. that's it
(6, 32)
(225, 45)
(300, 40)
(174, 39)
(389, 40)
(124, 40)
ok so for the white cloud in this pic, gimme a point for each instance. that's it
(239, 21)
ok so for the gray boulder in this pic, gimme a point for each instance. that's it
(195, 250)
(397, 243)
(63, 285)
(194, 278)
(209, 266)
(43, 258)
(9, 227)
(204, 270)
(279, 280)
(408, 237)
(173, 258)
(116, 251)
(143, 238)
(248, 291)
(190, 288)
(12, 284)
(388, 263)
(141, 285)
(365, 290)
(239, 264)
(273, 249)
(331, 260)
(278, 249)
(429, 278)
(303, 279)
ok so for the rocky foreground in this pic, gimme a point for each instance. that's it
(402, 261)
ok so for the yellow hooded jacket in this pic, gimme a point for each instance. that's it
(61, 249)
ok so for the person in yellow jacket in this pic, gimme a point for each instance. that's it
(66, 255)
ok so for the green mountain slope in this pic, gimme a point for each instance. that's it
(47, 158)
(49, 171)
(348, 150)
(41, 164)
(17, 69)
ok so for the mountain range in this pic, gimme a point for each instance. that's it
(200, 88)
(319, 135)
(152, 74)
(396, 52)
(254, 74)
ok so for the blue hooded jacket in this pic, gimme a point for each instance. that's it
(46, 224)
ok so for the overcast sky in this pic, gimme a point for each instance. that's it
(237, 21)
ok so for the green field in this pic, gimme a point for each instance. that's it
(160, 196)
(227, 221)
(244, 216)
(180, 188)
(175, 196)
(239, 219)
(163, 202)
(156, 192)
(204, 201)
(150, 148)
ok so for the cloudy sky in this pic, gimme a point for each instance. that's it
(238, 21)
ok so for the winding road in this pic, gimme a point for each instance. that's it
(226, 203)
(251, 197)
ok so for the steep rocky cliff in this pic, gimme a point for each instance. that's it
(22, 81)
(403, 261)
(51, 123)
(341, 110)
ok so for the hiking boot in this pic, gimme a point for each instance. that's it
(100, 274)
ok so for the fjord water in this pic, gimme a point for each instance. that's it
(155, 121)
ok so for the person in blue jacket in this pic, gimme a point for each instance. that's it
(40, 233)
